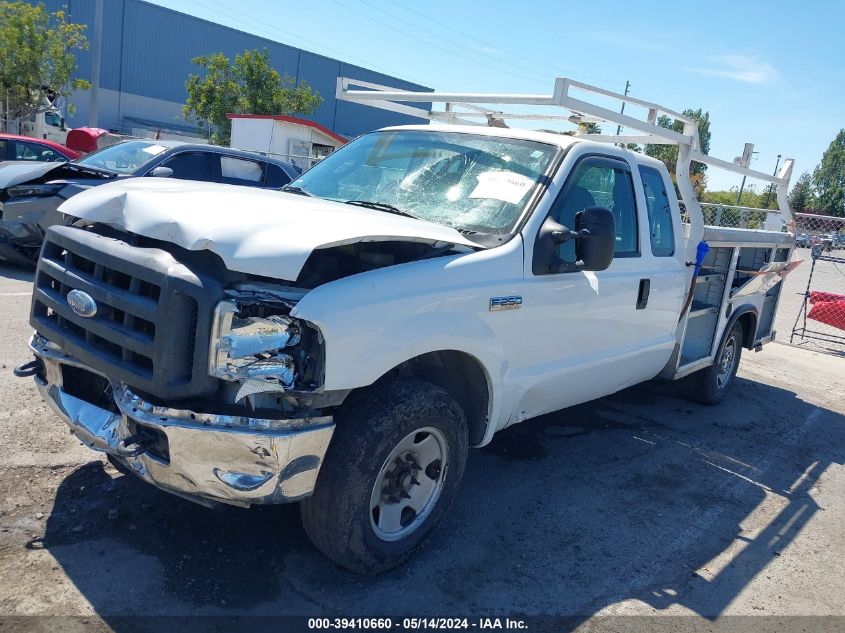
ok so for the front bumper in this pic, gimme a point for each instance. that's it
(15, 238)
(210, 458)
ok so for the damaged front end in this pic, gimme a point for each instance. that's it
(205, 457)
(193, 378)
(20, 241)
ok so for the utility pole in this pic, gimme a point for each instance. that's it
(744, 161)
(622, 111)
(771, 186)
(96, 56)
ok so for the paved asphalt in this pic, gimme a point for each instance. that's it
(637, 504)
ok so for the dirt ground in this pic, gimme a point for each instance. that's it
(639, 504)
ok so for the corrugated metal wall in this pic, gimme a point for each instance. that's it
(146, 58)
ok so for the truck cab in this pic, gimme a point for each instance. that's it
(342, 343)
(47, 124)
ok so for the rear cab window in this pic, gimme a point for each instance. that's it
(659, 209)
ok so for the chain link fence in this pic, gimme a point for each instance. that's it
(740, 217)
(816, 296)
(811, 312)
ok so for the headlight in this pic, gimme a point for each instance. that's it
(35, 191)
(249, 349)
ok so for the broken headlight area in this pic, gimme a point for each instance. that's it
(38, 190)
(260, 347)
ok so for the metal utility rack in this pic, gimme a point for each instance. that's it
(699, 333)
(469, 109)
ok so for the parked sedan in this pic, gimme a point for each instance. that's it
(13, 147)
(30, 194)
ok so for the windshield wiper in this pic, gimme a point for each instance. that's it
(383, 206)
(298, 190)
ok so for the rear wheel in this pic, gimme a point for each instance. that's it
(712, 384)
(390, 473)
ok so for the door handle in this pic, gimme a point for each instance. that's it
(642, 295)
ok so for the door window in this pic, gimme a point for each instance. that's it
(52, 119)
(237, 171)
(275, 176)
(195, 166)
(33, 151)
(599, 182)
(4, 147)
(659, 213)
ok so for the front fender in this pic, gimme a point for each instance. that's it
(375, 321)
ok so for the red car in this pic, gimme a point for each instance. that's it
(14, 147)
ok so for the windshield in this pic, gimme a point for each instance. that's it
(123, 158)
(470, 182)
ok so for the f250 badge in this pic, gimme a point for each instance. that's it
(82, 303)
(514, 302)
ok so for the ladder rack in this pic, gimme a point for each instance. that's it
(473, 109)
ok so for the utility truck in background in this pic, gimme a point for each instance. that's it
(48, 123)
(342, 343)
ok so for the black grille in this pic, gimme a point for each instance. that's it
(151, 311)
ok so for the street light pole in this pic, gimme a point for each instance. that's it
(771, 186)
(622, 111)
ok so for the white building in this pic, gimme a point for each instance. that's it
(299, 141)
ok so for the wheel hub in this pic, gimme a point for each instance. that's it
(408, 484)
(726, 363)
(399, 481)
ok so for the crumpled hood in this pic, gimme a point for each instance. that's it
(19, 172)
(16, 172)
(268, 233)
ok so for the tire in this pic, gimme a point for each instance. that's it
(359, 515)
(711, 385)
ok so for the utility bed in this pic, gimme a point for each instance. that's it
(736, 259)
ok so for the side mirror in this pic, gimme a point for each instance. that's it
(595, 242)
(161, 172)
(62, 124)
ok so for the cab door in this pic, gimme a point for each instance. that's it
(588, 334)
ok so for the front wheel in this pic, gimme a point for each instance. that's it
(389, 476)
(712, 384)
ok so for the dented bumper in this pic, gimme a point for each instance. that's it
(205, 457)
(15, 238)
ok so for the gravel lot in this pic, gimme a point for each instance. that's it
(637, 504)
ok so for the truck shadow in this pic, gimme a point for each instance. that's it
(638, 496)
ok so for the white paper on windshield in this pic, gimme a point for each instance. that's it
(507, 186)
(153, 150)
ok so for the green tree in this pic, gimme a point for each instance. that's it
(801, 197)
(669, 153)
(750, 198)
(829, 178)
(36, 58)
(768, 196)
(250, 85)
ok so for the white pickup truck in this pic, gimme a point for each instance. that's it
(343, 343)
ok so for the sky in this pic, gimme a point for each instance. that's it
(770, 73)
